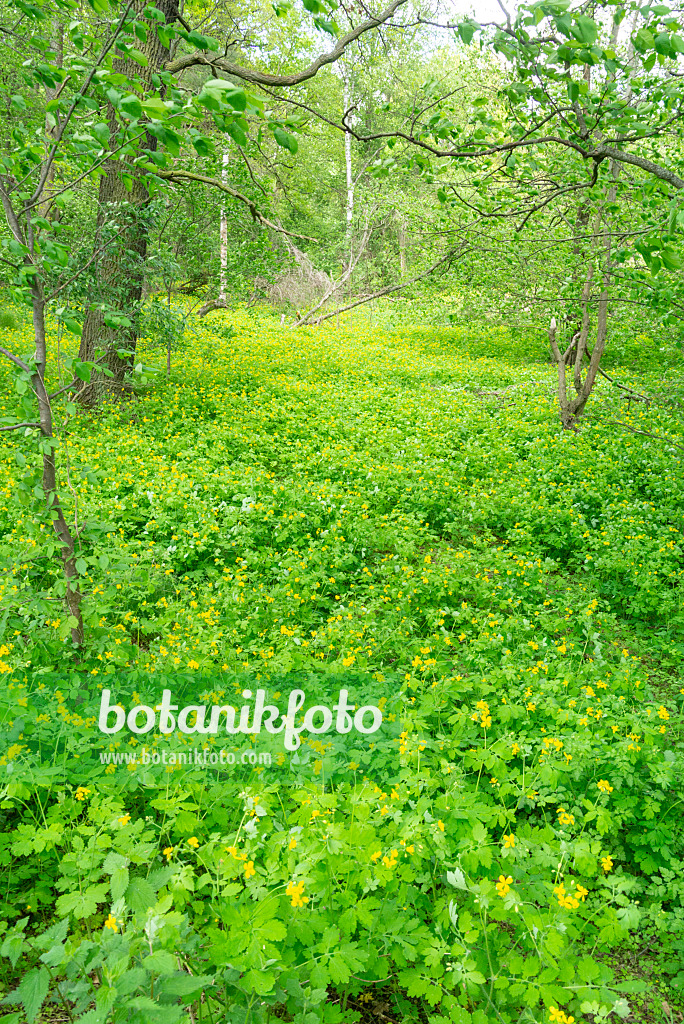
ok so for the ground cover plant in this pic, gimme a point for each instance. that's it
(386, 510)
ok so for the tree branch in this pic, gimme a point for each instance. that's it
(262, 78)
(179, 176)
(397, 287)
(16, 360)
(646, 433)
(620, 156)
(17, 426)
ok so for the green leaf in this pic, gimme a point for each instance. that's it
(155, 107)
(202, 145)
(662, 43)
(585, 30)
(140, 895)
(186, 984)
(82, 371)
(33, 990)
(196, 38)
(119, 881)
(160, 962)
(137, 56)
(324, 25)
(81, 566)
(72, 325)
(643, 40)
(258, 981)
(131, 106)
(587, 969)
(12, 947)
(236, 133)
(82, 904)
(466, 31)
(285, 140)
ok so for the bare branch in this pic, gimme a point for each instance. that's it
(180, 176)
(397, 287)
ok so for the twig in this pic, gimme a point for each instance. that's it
(15, 359)
(634, 430)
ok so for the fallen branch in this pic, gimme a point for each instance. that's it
(396, 287)
(335, 285)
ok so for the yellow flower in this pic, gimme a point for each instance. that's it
(375, 857)
(557, 1016)
(515, 750)
(607, 863)
(604, 786)
(291, 845)
(111, 923)
(194, 842)
(503, 885)
(582, 892)
(168, 852)
(295, 891)
(509, 841)
(440, 826)
(564, 818)
(125, 819)
(82, 792)
(249, 869)
(531, 706)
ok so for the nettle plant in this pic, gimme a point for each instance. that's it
(91, 102)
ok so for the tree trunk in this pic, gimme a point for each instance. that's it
(120, 270)
(53, 505)
(348, 160)
(223, 283)
(401, 235)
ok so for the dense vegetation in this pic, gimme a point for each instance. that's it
(391, 511)
(341, 518)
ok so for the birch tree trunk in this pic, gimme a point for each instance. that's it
(223, 277)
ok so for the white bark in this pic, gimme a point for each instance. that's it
(224, 232)
(348, 163)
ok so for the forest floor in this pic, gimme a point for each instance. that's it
(396, 511)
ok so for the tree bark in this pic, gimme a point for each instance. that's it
(223, 281)
(53, 505)
(121, 269)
